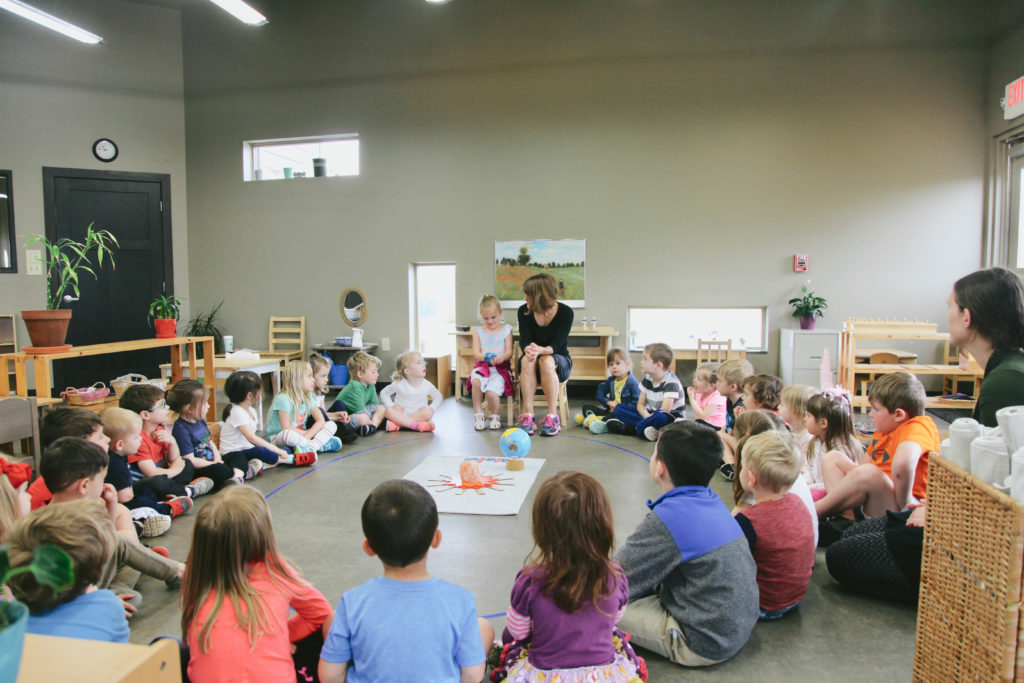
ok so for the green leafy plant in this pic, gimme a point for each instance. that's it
(50, 565)
(808, 305)
(66, 258)
(165, 307)
(205, 325)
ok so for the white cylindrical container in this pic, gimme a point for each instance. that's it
(229, 343)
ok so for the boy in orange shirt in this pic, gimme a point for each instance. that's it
(893, 474)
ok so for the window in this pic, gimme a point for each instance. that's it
(680, 327)
(1015, 204)
(432, 293)
(327, 155)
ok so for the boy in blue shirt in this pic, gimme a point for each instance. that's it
(693, 594)
(621, 388)
(432, 620)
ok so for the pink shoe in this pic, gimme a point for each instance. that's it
(527, 423)
(425, 426)
(391, 426)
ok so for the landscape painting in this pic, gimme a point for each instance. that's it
(565, 260)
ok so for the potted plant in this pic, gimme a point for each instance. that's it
(163, 313)
(205, 325)
(51, 567)
(64, 260)
(807, 308)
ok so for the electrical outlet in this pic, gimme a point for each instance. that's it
(33, 262)
(385, 343)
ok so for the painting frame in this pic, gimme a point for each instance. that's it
(517, 260)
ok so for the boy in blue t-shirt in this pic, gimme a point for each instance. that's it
(406, 608)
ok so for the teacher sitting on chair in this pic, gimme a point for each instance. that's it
(986, 319)
(544, 326)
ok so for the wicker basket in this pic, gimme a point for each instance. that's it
(969, 614)
(97, 393)
(122, 383)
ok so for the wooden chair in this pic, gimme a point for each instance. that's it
(562, 402)
(19, 420)
(879, 358)
(287, 338)
(713, 351)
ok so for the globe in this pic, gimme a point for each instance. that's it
(514, 443)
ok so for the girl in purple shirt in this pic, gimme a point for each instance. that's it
(566, 600)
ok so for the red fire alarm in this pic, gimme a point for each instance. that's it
(799, 263)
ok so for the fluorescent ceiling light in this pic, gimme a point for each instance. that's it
(49, 21)
(241, 11)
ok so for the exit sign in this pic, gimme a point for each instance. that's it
(1013, 103)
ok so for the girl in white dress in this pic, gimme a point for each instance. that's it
(405, 399)
(492, 351)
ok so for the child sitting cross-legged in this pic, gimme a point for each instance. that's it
(621, 388)
(360, 394)
(190, 399)
(238, 593)
(238, 433)
(894, 472)
(434, 621)
(731, 375)
(707, 404)
(338, 412)
(560, 624)
(661, 398)
(692, 585)
(406, 398)
(124, 429)
(286, 426)
(158, 453)
(777, 526)
(82, 610)
(829, 423)
(73, 469)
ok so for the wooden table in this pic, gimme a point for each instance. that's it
(49, 658)
(222, 369)
(44, 383)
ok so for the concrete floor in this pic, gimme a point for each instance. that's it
(833, 635)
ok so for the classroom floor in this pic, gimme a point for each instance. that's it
(316, 519)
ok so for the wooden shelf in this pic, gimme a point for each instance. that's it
(49, 658)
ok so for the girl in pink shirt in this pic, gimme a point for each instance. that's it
(705, 401)
(237, 592)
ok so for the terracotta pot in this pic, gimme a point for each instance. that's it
(165, 327)
(47, 330)
(807, 322)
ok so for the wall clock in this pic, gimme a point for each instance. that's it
(104, 149)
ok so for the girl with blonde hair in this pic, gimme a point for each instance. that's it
(491, 376)
(237, 593)
(289, 412)
(406, 398)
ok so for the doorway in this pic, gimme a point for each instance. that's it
(433, 309)
(136, 208)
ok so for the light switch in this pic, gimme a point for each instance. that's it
(33, 262)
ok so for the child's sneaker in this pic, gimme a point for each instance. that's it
(367, 430)
(390, 426)
(494, 423)
(527, 423)
(616, 426)
(255, 468)
(333, 444)
(155, 525)
(178, 505)
(550, 426)
(598, 427)
(305, 458)
(236, 480)
(478, 422)
(651, 433)
(199, 486)
(346, 432)
(728, 470)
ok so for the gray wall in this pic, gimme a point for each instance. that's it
(694, 177)
(57, 96)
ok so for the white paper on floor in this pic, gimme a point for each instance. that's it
(502, 496)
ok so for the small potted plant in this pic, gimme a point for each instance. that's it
(51, 567)
(163, 313)
(64, 260)
(808, 308)
(207, 325)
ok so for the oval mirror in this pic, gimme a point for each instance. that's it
(353, 306)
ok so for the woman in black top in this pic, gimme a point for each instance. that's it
(544, 326)
(882, 556)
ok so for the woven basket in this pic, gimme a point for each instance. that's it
(122, 383)
(86, 396)
(969, 613)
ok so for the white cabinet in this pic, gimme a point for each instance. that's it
(800, 354)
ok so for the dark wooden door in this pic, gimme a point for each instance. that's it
(135, 207)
